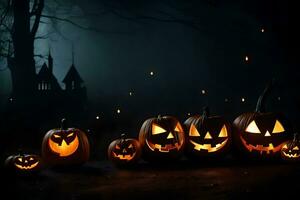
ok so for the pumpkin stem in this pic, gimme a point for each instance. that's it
(205, 112)
(123, 136)
(20, 152)
(64, 124)
(159, 117)
(260, 106)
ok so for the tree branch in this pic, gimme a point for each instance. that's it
(65, 20)
(73, 23)
(39, 56)
(34, 7)
(170, 19)
(5, 41)
(38, 12)
(4, 13)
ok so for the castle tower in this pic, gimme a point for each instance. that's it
(73, 80)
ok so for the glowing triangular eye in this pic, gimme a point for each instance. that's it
(278, 128)
(117, 147)
(70, 134)
(285, 146)
(193, 131)
(252, 128)
(20, 159)
(208, 135)
(223, 132)
(178, 128)
(296, 148)
(56, 136)
(130, 146)
(31, 158)
(157, 129)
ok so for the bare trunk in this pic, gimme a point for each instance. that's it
(22, 66)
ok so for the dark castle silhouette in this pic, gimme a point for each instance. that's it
(50, 92)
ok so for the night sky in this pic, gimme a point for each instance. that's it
(193, 64)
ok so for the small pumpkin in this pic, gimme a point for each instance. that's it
(124, 151)
(261, 134)
(65, 146)
(207, 136)
(24, 163)
(162, 137)
(290, 150)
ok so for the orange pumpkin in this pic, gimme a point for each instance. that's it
(124, 151)
(290, 150)
(65, 146)
(23, 163)
(162, 138)
(207, 136)
(261, 134)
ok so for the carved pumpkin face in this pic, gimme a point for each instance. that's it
(291, 150)
(162, 136)
(27, 162)
(124, 151)
(65, 146)
(24, 162)
(263, 133)
(207, 136)
(64, 142)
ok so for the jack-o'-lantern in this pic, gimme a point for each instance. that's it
(162, 138)
(261, 134)
(65, 146)
(124, 151)
(207, 136)
(290, 150)
(23, 163)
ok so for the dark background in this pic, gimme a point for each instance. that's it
(203, 51)
(190, 46)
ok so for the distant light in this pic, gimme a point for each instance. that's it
(97, 117)
(243, 99)
(118, 111)
(11, 99)
(246, 58)
(130, 93)
(262, 30)
(189, 114)
(151, 73)
(226, 100)
(203, 91)
(278, 98)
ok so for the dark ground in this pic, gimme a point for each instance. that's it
(99, 179)
(184, 180)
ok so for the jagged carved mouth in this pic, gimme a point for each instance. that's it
(164, 148)
(261, 148)
(208, 147)
(64, 149)
(27, 167)
(124, 157)
(289, 155)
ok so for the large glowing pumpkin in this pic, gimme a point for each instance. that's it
(161, 138)
(23, 163)
(207, 136)
(65, 146)
(261, 134)
(124, 151)
(290, 150)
